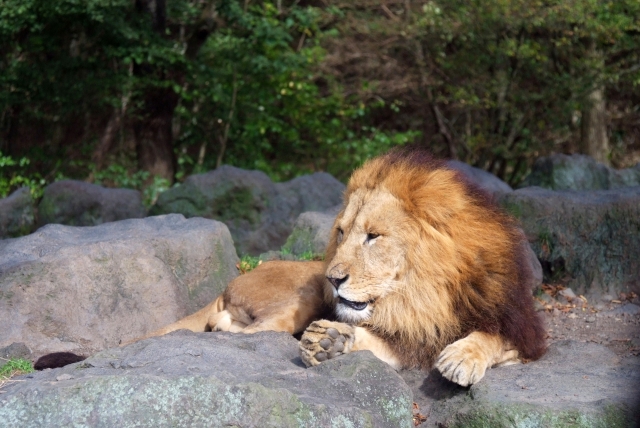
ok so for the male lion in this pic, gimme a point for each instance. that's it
(422, 269)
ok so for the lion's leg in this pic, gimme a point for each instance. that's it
(196, 322)
(466, 360)
(324, 340)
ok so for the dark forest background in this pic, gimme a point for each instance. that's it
(142, 93)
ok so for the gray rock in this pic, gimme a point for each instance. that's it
(564, 388)
(310, 233)
(626, 309)
(258, 212)
(77, 203)
(593, 237)
(15, 350)
(210, 380)
(17, 215)
(482, 178)
(83, 289)
(579, 172)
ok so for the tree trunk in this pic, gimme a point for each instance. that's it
(594, 140)
(154, 138)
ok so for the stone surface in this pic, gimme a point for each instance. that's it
(311, 232)
(17, 214)
(627, 309)
(482, 178)
(579, 172)
(591, 239)
(83, 289)
(210, 380)
(258, 212)
(15, 350)
(77, 203)
(574, 385)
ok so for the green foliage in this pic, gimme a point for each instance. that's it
(260, 84)
(14, 174)
(117, 175)
(520, 70)
(15, 367)
(248, 263)
(311, 256)
(254, 101)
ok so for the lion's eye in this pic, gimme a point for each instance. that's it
(340, 234)
(371, 237)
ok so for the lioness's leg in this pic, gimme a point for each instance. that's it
(324, 340)
(466, 360)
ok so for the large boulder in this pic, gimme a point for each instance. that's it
(579, 172)
(575, 384)
(258, 212)
(210, 380)
(77, 203)
(84, 289)
(17, 215)
(589, 239)
(487, 181)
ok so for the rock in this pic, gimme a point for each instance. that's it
(535, 266)
(591, 237)
(590, 319)
(83, 289)
(77, 203)
(15, 350)
(568, 293)
(579, 172)
(606, 298)
(211, 380)
(258, 212)
(310, 233)
(564, 388)
(17, 215)
(482, 178)
(627, 309)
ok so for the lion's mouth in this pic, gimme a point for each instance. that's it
(358, 306)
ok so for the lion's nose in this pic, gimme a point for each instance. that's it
(337, 281)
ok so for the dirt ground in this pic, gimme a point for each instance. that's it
(599, 322)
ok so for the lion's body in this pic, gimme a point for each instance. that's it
(278, 295)
(422, 269)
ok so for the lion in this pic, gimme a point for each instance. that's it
(421, 269)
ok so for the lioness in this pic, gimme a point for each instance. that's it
(421, 269)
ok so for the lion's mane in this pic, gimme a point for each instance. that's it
(467, 268)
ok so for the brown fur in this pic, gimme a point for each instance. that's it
(462, 267)
(277, 295)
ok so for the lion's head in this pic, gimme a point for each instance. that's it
(420, 255)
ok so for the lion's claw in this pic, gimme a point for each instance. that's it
(324, 340)
(461, 365)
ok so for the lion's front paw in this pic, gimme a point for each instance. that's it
(324, 339)
(461, 363)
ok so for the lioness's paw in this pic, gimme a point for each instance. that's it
(324, 340)
(462, 363)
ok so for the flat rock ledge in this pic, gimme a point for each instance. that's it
(210, 380)
(189, 379)
(575, 384)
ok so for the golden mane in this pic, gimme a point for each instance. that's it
(465, 269)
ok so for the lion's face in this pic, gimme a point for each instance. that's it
(369, 259)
